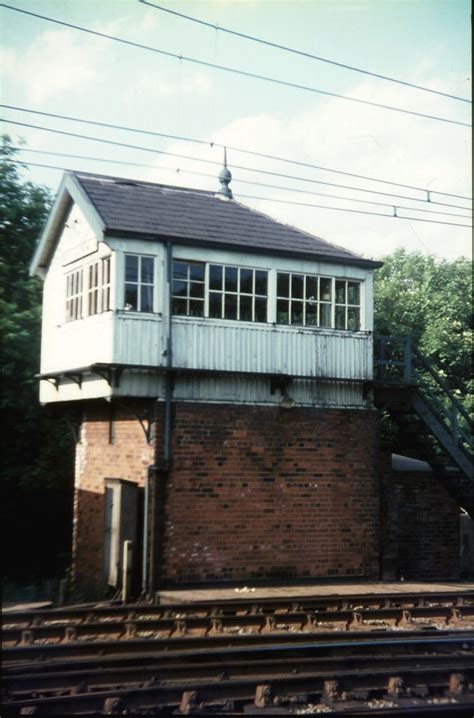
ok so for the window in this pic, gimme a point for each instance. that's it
(106, 268)
(93, 289)
(88, 290)
(74, 288)
(232, 292)
(304, 299)
(309, 300)
(237, 293)
(347, 312)
(188, 288)
(139, 283)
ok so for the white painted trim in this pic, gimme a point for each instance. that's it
(69, 192)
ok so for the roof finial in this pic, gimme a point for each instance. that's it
(225, 178)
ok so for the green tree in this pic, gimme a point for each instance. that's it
(431, 300)
(36, 469)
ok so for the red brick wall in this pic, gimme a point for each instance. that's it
(97, 459)
(263, 492)
(419, 527)
(253, 492)
(260, 492)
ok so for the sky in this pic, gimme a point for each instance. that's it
(49, 67)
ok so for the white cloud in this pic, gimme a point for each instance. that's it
(57, 62)
(334, 134)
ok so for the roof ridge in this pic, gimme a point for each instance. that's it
(114, 178)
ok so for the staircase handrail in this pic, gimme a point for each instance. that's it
(427, 365)
(462, 437)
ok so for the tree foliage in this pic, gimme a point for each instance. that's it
(37, 450)
(431, 300)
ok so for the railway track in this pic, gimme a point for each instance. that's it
(306, 655)
(265, 616)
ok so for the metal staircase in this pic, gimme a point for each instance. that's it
(432, 423)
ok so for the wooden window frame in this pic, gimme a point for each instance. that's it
(303, 302)
(139, 283)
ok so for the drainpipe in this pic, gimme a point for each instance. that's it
(146, 508)
(160, 471)
(169, 363)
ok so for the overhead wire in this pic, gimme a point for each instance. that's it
(235, 71)
(236, 166)
(180, 170)
(270, 199)
(302, 53)
(232, 148)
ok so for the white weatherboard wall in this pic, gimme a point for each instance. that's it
(79, 343)
(138, 339)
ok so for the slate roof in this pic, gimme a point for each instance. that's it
(202, 217)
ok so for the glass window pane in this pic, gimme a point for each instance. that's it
(312, 288)
(353, 293)
(196, 290)
(230, 306)
(146, 299)
(261, 283)
(196, 308)
(179, 306)
(353, 319)
(180, 288)
(283, 312)
(340, 317)
(340, 292)
(246, 281)
(147, 270)
(131, 296)
(180, 270)
(311, 315)
(297, 312)
(215, 277)
(131, 268)
(325, 289)
(106, 271)
(260, 309)
(297, 286)
(325, 315)
(231, 279)
(283, 285)
(215, 305)
(196, 271)
(245, 314)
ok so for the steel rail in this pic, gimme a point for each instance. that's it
(20, 685)
(259, 689)
(241, 606)
(330, 643)
(137, 624)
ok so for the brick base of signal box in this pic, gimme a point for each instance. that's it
(252, 493)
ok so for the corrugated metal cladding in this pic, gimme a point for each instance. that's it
(138, 340)
(243, 348)
(279, 350)
(244, 390)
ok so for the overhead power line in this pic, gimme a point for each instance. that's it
(270, 199)
(229, 147)
(180, 170)
(301, 53)
(214, 162)
(234, 70)
(357, 211)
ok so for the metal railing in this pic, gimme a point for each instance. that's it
(398, 361)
